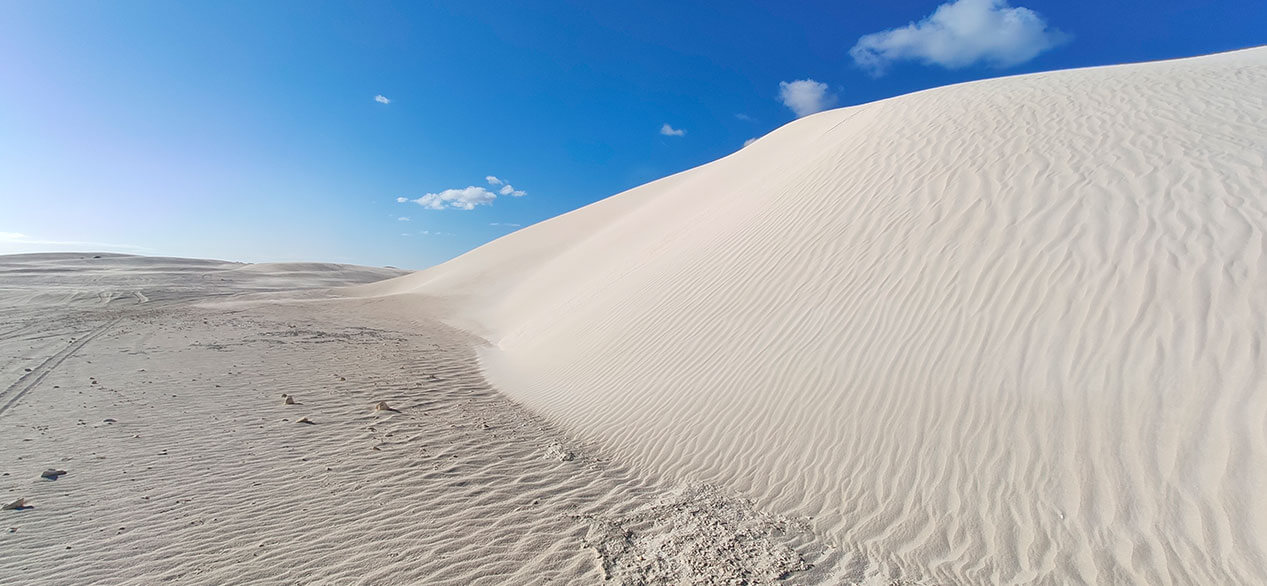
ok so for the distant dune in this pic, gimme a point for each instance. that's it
(1009, 331)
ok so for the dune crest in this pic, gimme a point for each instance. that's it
(1009, 331)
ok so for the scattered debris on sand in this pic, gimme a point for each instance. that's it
(556, 452)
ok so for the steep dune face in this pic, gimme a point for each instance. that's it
(1009, 331)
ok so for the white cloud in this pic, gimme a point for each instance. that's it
(750, 141)
(16, 242)
(507, 189)
(961, 33)
(403, 219)
(466, 198)
(805, 96)
(508, 224)
(744, 117)
(671, 131)
(462, 199)
(380, 98)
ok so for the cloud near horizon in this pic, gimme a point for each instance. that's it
(17, 242)
(667, 130)
(961, 33)
(805, 96)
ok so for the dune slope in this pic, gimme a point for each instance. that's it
(1008, 331)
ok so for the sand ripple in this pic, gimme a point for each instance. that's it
(1003, 332)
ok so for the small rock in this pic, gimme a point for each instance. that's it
(305, 420)
(289, 400)
(383, 406)
(109, 420)
(52, 473)
(17, 505)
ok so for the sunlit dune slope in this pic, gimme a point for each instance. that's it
(1009, 331)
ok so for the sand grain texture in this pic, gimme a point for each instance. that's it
(177, 459)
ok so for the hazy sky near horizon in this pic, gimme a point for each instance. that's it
(407, 133)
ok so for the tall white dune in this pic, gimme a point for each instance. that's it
(1009, 331)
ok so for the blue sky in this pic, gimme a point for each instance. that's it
(251, 130)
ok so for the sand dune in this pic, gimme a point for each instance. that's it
(1004, 332)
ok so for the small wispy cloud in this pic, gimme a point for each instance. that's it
(402, 199)
(961, 33)
(745, 117)
(508, 189)
(750, 141)
(380, 98)
(20, 242)
(403, 219)
(667, 130)
(805, 96)
(506, 224)
(493, 180)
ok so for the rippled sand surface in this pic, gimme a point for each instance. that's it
(1004, 332)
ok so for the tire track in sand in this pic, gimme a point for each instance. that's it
(11, 395)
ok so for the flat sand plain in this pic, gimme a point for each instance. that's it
(158, 386)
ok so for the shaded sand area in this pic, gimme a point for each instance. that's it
(1005, 332)
(144, 423)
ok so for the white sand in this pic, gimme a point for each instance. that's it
(1004, 332)
(157, 386)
